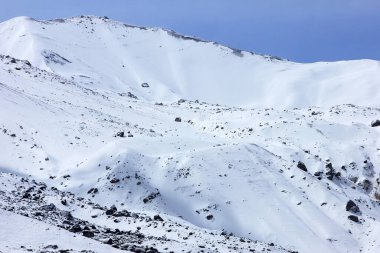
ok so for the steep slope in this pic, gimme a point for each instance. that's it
(105, 54)
(279, 180)
(28, 235)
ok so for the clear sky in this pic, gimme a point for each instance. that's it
(299, 30)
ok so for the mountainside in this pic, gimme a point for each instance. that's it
(109, 55)
(150, 141)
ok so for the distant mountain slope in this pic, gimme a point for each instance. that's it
(109, 55)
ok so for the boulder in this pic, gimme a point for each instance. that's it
(112, 210)
(354, 218)
(114, 180)
(375, 123)
(120, 134)
(88, 234)
(352, 207)
(301, 166)
(76, 228)
(157, 218)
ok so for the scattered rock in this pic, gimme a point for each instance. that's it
(87, 233)
(150, 197)
(51, 246)
(131, 95)
(375, 123)
(120, 134)
(158, 218)
(301, 166)
(112, 210)
(76, 228)
(114, 180)
(93, 191)
(354, 218)
(352, 207)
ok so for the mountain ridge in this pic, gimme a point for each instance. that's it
(169, 62)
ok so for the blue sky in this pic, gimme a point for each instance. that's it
(299, 30)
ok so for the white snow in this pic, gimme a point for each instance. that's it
(111, 56)
(237, 164)
(22, 234)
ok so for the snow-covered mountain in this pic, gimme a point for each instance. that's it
(149, 141)
(112, 56)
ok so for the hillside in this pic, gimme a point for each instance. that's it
(152, 141)
(105, 54)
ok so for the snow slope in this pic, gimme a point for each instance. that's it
(275, 177)
(110, 55)
(24, 235)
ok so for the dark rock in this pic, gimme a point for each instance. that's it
(301, 166)
(120, 134)
(318, 173)
(352, 207)
(93, 190)
(150, 197)
(354, 218)
(112, 210)
(114, 180)
(158, 218)
(76, 228)
(88, 233)
(48, 208)
(51, 246)
(178, 119)
(131, 95)
(210, 217)
(26, 195)
(329, 166)
(122, 213)
(375, 123)
(145, 85)
(330, 171)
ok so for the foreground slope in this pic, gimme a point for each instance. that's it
(278, 179)
(106, 54)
